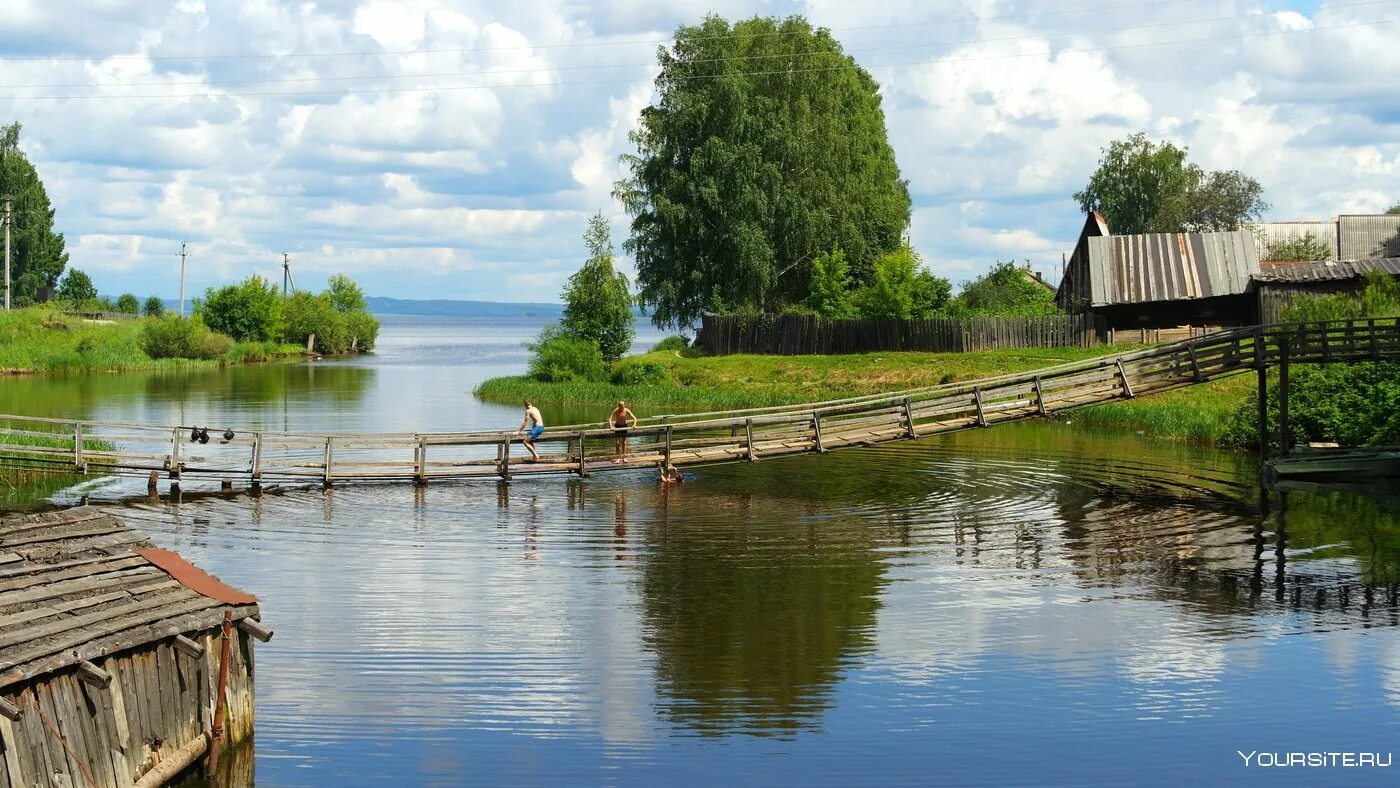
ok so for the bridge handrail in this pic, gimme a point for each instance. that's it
(738, 417)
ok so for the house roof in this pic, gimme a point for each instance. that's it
(78, 584)
(1327, 271)
(1133, 269)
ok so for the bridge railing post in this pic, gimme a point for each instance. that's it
(1285, 439)
(817, 433)
(255, 465)
(748, 439)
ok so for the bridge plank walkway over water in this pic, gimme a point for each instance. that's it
(235, 453)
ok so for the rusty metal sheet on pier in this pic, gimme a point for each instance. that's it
(194, 578)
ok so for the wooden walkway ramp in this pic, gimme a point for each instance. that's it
(238, 454)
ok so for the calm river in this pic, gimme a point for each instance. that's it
(1026, 604)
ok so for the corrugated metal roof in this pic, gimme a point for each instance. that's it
(1134, 269)
(1267, 234)
(1322, 272)
(1368, 236)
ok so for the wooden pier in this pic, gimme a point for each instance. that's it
(237, 454)
(120, 664)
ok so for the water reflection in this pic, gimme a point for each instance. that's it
(889, 604)
(751, 626)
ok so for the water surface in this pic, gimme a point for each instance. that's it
(1026, 604)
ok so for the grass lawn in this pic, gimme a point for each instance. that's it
(38, 339)
(695, 382)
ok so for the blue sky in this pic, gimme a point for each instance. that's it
(360, 136)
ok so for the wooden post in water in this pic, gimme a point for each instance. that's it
(420, 461)
(1263, 391)
(977, 398)
(175, 456)
(1039, 398)
(909, 419)
(503, 468)
(817, 432)
(326, 479)
(1285, 441)
(582, 456)
(668, 444)
(748, 436)
(255, 469)
(78, 464)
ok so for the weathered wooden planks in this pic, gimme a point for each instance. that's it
(695, 439)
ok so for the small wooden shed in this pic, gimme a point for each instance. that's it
(111, 653)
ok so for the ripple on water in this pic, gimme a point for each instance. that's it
(891, 610)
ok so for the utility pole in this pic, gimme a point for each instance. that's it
(287, 280)
(183, 255)
(7, 253)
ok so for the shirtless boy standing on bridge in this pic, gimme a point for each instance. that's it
(620, 420)
(534, 423)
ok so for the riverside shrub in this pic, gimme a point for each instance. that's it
(181, 337)
(671, 343)
(249, 310)
(1351, 404)
(557, 357)
(638, 373)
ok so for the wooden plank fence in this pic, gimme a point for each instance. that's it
(790, 335)
(219, 453)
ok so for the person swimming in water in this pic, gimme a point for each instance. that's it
(669, 473)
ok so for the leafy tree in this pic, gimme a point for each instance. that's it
(249, 310)
(597, 304)
(1306, 249)
(767, 145)
(1004, 290)
(1393, 210)
(37, 255)
(931, 295)
(154, 307)
(345, 295)
(901, 289)
(76, 287)
(1146, 187)
(830, 290)
(128, 304)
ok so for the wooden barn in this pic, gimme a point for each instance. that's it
(112, 654)
(1276, 286)
(1160, 280)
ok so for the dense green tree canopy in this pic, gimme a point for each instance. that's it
(37, 256)
(1006, 289)
(1146, 187)
(249, 310)
(766, 147)
(76, 287)
(901, 288)
(127, 303)
(1393, 210)
(597, 302)
(153, 307)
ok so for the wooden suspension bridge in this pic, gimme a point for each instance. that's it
(234, 453)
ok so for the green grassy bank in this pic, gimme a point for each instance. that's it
(38, 339)
(693, 382)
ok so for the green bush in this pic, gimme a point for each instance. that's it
(1351, 404)
(1309, 248)
(75, 287)
(362, 326)
(180, 337)
(305, 314)
(128, 304)
(249, 310)
(154, 307)
(672, 343)
(557, 357)
(638, 373)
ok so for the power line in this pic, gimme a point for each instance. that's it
(583, 44)
(843, 66)
(745, 58)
